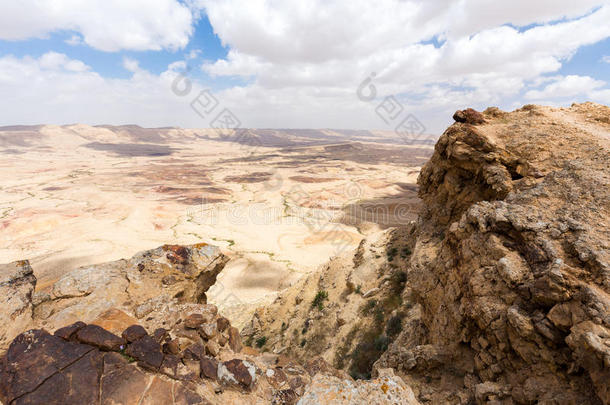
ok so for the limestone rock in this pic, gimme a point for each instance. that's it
(17, 283)
(332, 390)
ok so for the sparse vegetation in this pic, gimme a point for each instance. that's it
(261, 341)
(126, 356)
(319, 299)
(394, 326)
(391, 253)
(368, 306)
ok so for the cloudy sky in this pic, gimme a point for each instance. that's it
(295, 63)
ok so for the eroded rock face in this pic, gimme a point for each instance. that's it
(504, 288)
(17, 283)
(117, 294)
(511, 268)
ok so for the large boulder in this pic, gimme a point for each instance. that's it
(117, 294)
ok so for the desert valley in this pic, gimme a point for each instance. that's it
(279, 203)
(306, 268)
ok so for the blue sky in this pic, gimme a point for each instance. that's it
(294, 64)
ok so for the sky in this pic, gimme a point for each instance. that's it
(345, 64)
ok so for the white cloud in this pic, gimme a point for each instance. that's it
(302, 62)
(131, 64)
(606, 59)
(291, 52)
(568, 86)
(108, 25)
(74, 40)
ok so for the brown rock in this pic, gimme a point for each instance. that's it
(177, 254)
(193, 321)
(222, 323)
(209, 367)
(114, 320)
(124, 386)
(133, 333)
(183, 395)
(194, 352)
(96, 336)
(469, 116)
(159, 334)
(235, 340)
(67, 332)
(212, 348)
(33, 358)
(208, 330)
(285, 397)
(276, 378)
(173, 367)
(158, 393)
(114, 361)
(147, 351)
(237, 372)
(76, 384)
(171, 347)
(222, 340)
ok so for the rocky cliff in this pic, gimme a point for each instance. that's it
(500, 292)
(139, 331)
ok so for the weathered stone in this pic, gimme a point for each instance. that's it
(285, 397)
(159, 335)
(212, 348)
(276, 378)
(193, 321)
(332, 390)
(194, 352)
(209, 367)
(67, 332)
(124, 386)
(237, 372)
(469, 116)
(222, 323)
(147, 351)
(17, 283)
(183, 395)
(208, 330)
(32, 358)
(160, 392)
(133, 333)
(96, 336)
(171, 347)
(235, 340)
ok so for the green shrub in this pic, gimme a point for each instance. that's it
(261, 341)
(318, 301)
(391, 253)
(394, 326)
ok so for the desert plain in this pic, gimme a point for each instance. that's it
(279, 203)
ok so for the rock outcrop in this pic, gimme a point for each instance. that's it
(17, 283)
(181, 363)
(500, 292)
(118, 294)
(510, 271)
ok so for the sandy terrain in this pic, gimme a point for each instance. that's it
(280, 203)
